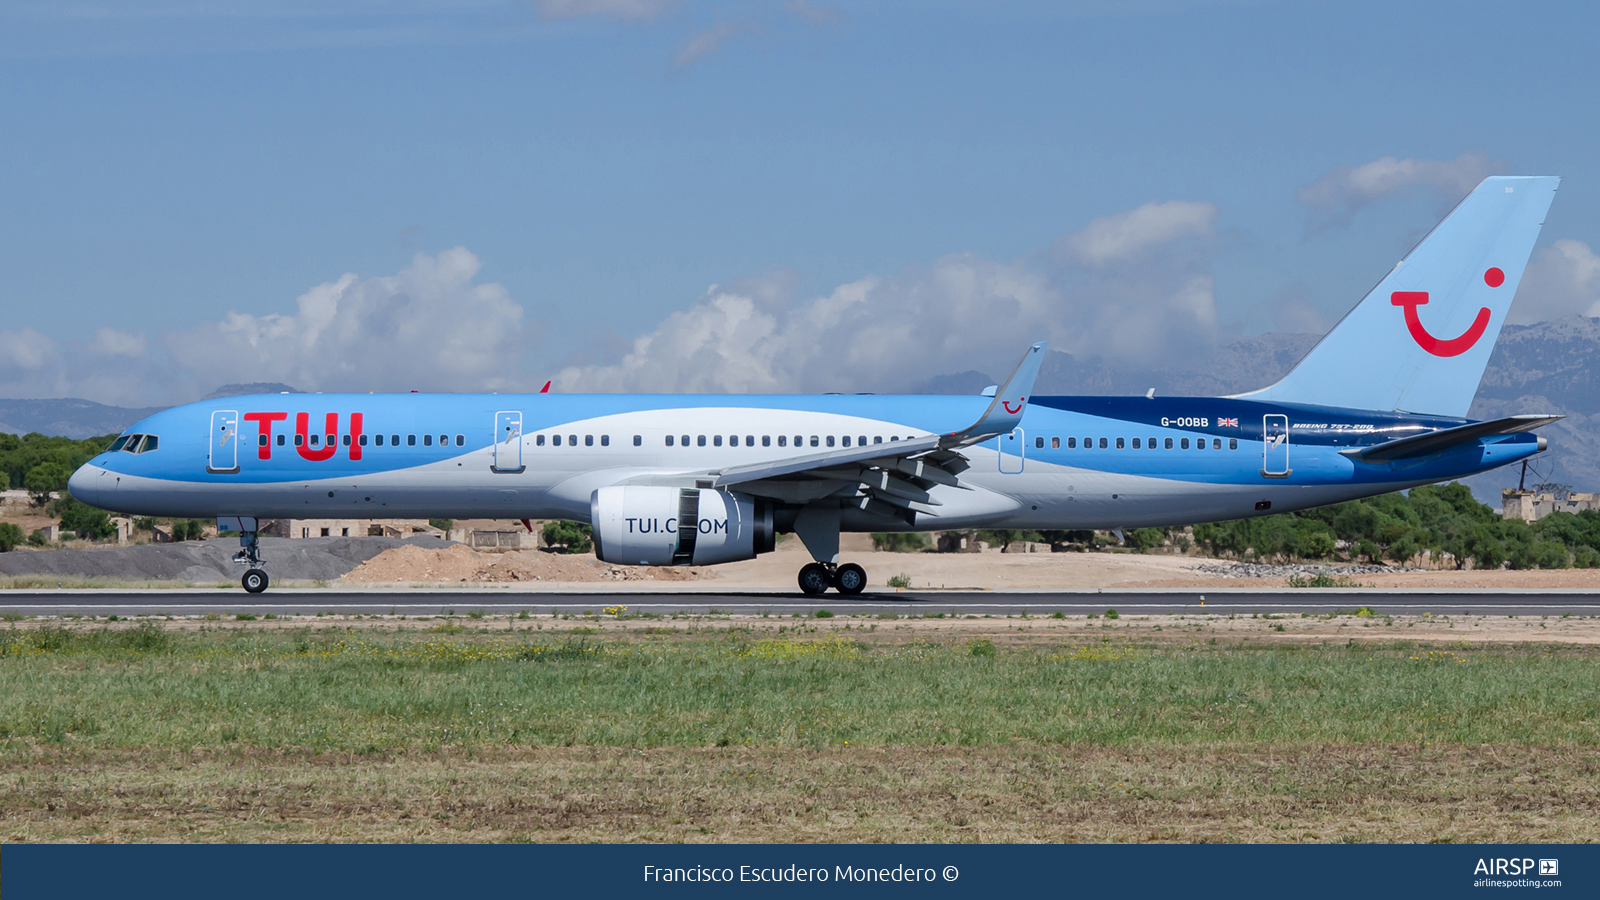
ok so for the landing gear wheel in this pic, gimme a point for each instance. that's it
(255, 581)
(815, 578)
(850, 579)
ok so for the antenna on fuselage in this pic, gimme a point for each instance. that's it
(1150, 394)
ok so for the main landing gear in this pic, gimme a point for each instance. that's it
(849, 579)
(255, 580)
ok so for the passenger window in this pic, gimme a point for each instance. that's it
(461, 440)
(669, 440)
(363, 440)
(861, 440)
(281, 441)
(814, 440)
(588, 440)
(1072, 443)
(1169, 443)
(749, 440)
(733, 440)
(316, 440)
(555, 440)
(1233, 443)
(1152, 443)
(1088, 443)
(346, 440)
(846, 441)
(299, 440)
(444, 440)
(1199, 443)
(1102, 443)
(1184, 443)
(1038, 443)
(766, 440)
(538, 440)
(1136, 445)
(1120, 445)
(394, 440)
(638, 440)
(572, 440)
(701, 440)
(830, 440)
(686, 440)
(783, 440)
(893, 438)
(261, 440)
(1216, 443)
(716, 440)
(1055, 443)
(427, 440)
(877, 439)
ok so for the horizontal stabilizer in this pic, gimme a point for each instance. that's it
(1438, 441)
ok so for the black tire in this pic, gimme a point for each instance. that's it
(850, 579)
(254, 581)
(815, 579)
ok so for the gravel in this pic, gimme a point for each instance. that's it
(209, 561)
(1258, 570)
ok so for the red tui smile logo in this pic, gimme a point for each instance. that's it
(1010, 411)
(1441, 346)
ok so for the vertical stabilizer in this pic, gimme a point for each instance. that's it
(1420, 340)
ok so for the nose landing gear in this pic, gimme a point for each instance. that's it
(849, 579)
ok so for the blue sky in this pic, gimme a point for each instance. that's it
(602, 163)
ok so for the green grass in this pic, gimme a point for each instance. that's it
(365, 691)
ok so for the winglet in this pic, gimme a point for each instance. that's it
(1010, 401)
(545, 389)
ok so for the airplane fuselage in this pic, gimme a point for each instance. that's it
(1074, 462)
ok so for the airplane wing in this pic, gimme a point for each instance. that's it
(894, 479)
(1436, 441)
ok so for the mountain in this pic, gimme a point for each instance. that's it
(254, 387)
(68, 418)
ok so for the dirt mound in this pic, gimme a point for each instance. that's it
(458, 563)
(207, 561)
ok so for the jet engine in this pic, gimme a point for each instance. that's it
(667, 526)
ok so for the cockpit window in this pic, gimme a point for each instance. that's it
(136, 443)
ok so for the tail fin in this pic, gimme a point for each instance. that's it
(1420, 340)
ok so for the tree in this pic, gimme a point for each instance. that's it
(1146, 539)
(10, 536)
(1005, 537)
(900, 541)
(89, 523)
(1317, 544)
(568, 537)
(44, 479)
(442, 524)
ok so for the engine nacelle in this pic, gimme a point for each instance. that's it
(667, 526)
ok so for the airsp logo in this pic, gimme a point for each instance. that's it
(1513, 867)
(1549, 867)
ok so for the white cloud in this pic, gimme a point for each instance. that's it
(1129, 234)
(706, 42)
(111, 342)
(627, 10)
(819, 14)
(1562, 280)
(963, 312)
(1336, 197)
(428, 327)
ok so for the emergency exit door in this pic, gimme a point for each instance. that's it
(222, 455)
(1275, 447)
(507, 442)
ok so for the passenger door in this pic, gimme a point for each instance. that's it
(222, 456)
(507, 443)
(1012, 451)
(1275, 447)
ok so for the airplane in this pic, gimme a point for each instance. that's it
(1378, 405)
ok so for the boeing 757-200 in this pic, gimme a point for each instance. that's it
(1378, 405)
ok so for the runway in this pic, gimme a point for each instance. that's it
(427, 602)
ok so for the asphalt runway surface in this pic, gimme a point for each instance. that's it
(429, 602)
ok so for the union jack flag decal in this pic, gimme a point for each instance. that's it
(1228, 423)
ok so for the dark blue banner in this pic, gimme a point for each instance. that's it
(238, 872)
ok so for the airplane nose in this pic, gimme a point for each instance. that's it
(84, 484)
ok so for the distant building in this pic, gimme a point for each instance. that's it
(313, 528)
(1531, 507)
